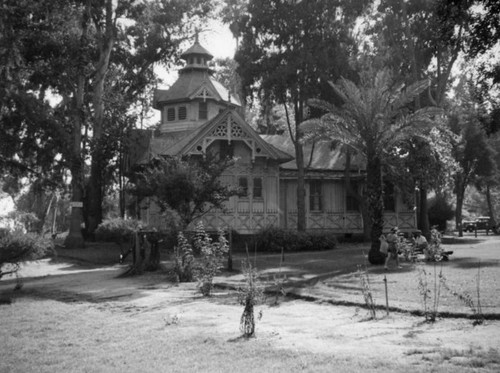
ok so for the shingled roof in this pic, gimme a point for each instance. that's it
(324, 158)
(187, 85)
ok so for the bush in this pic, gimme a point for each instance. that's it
(17, 247)
(201, 260)
(183, 259)
(211, 259)
(274, 239)
(117, 230)
(440, 211)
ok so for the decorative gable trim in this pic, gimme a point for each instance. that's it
(204, 92)
(229, 126)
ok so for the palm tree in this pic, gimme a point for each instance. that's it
(372, 121)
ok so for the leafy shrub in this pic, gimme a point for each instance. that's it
(117, 229)
(183, 259)
(201, 260)
(440, 211)
(211, 259)
(17, 247)
(275, 239)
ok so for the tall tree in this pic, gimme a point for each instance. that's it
(288, 52)
(424, 40)
(474, 155)
(372, 121)
(97, 58)
(153, 37)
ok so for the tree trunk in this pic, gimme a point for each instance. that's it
(458, 211)
(301, 188)
(491, 209)
(374, 192)
(75, 238)
(367, 229)
(96, 181)
(423, 221)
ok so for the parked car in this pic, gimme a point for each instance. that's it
(481, 223)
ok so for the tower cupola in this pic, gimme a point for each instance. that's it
(196, 58)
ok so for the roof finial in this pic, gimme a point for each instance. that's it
(196, 35)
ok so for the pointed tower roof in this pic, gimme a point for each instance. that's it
(195, 80)
(196, 49)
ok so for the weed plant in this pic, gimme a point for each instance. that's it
(467, 299)
(430, 292)
(366, 290)
(211, 259)
(183, 259)
(248, 296)
(279, 282)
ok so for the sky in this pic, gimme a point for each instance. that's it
(217, 39)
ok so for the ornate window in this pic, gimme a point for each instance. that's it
(243, 185)
(203, 110)
(182, 113)
(315, 197)
(257, 187)
(170, 114)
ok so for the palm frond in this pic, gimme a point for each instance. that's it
(409, 94)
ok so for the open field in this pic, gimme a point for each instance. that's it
(82, 318)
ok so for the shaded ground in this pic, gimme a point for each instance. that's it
(80, 317)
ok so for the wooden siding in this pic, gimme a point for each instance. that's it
(278, 206)
(334, 216)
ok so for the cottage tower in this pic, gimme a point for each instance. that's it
(195, 97)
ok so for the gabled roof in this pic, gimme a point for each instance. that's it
(188, 84)
(323, 156)
(188, 144)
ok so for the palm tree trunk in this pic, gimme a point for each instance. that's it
(423, 221)
(374, 192)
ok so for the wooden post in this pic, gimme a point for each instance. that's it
(386, 296)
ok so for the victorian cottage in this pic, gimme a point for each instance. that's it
(199, 115)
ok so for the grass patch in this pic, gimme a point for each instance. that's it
(474, 357)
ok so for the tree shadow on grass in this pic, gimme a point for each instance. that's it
(462, 240)
(472, 262)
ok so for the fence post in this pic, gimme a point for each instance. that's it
(386, 296)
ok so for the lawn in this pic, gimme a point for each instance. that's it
(84, 319)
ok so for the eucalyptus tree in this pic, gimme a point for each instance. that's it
(425, 40)
(129, 39)
(474, 154)
(97, 58)
(372, 121)
(288, 52)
